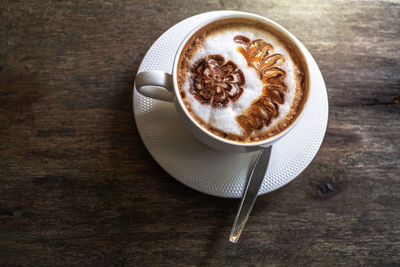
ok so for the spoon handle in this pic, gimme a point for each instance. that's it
(250, 193)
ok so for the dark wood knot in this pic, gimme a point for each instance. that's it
(7, 212)
(323, 189)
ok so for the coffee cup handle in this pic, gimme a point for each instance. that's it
(155, 84)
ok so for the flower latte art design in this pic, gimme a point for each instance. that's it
(240, 81)
(216, 82)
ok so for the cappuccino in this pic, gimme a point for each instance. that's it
(240, 81)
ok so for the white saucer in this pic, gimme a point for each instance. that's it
(204, 169)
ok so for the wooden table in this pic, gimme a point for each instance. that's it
(78, 187)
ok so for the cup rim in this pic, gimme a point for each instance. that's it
(269, 23)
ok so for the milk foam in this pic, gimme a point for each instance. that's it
(222, 43)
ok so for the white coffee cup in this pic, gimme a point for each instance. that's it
(164, 86)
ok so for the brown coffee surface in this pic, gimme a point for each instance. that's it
(219, 83)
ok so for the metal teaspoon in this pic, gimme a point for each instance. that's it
(250, 193)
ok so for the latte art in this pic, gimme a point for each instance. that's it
(240, 82)
(215, 81)
(266, 107)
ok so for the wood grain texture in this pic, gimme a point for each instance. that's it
(77, 186)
